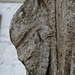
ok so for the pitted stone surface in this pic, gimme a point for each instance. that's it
(43, 34)
(30, 33)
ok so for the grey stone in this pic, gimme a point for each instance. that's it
(43, 33)
(30, 33)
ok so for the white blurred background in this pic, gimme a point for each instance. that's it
(9, 63)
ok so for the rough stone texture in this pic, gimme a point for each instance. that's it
(65, 18)
(33, 42)
(43, 32)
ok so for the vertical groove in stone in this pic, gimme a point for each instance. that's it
(56, 34)
(61, 34)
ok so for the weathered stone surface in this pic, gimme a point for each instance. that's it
(65, 35)
(43, 33)
(32, 34)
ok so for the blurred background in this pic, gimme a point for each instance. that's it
(9, 63)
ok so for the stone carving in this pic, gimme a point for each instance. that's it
(30, 33)
(43, 34)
